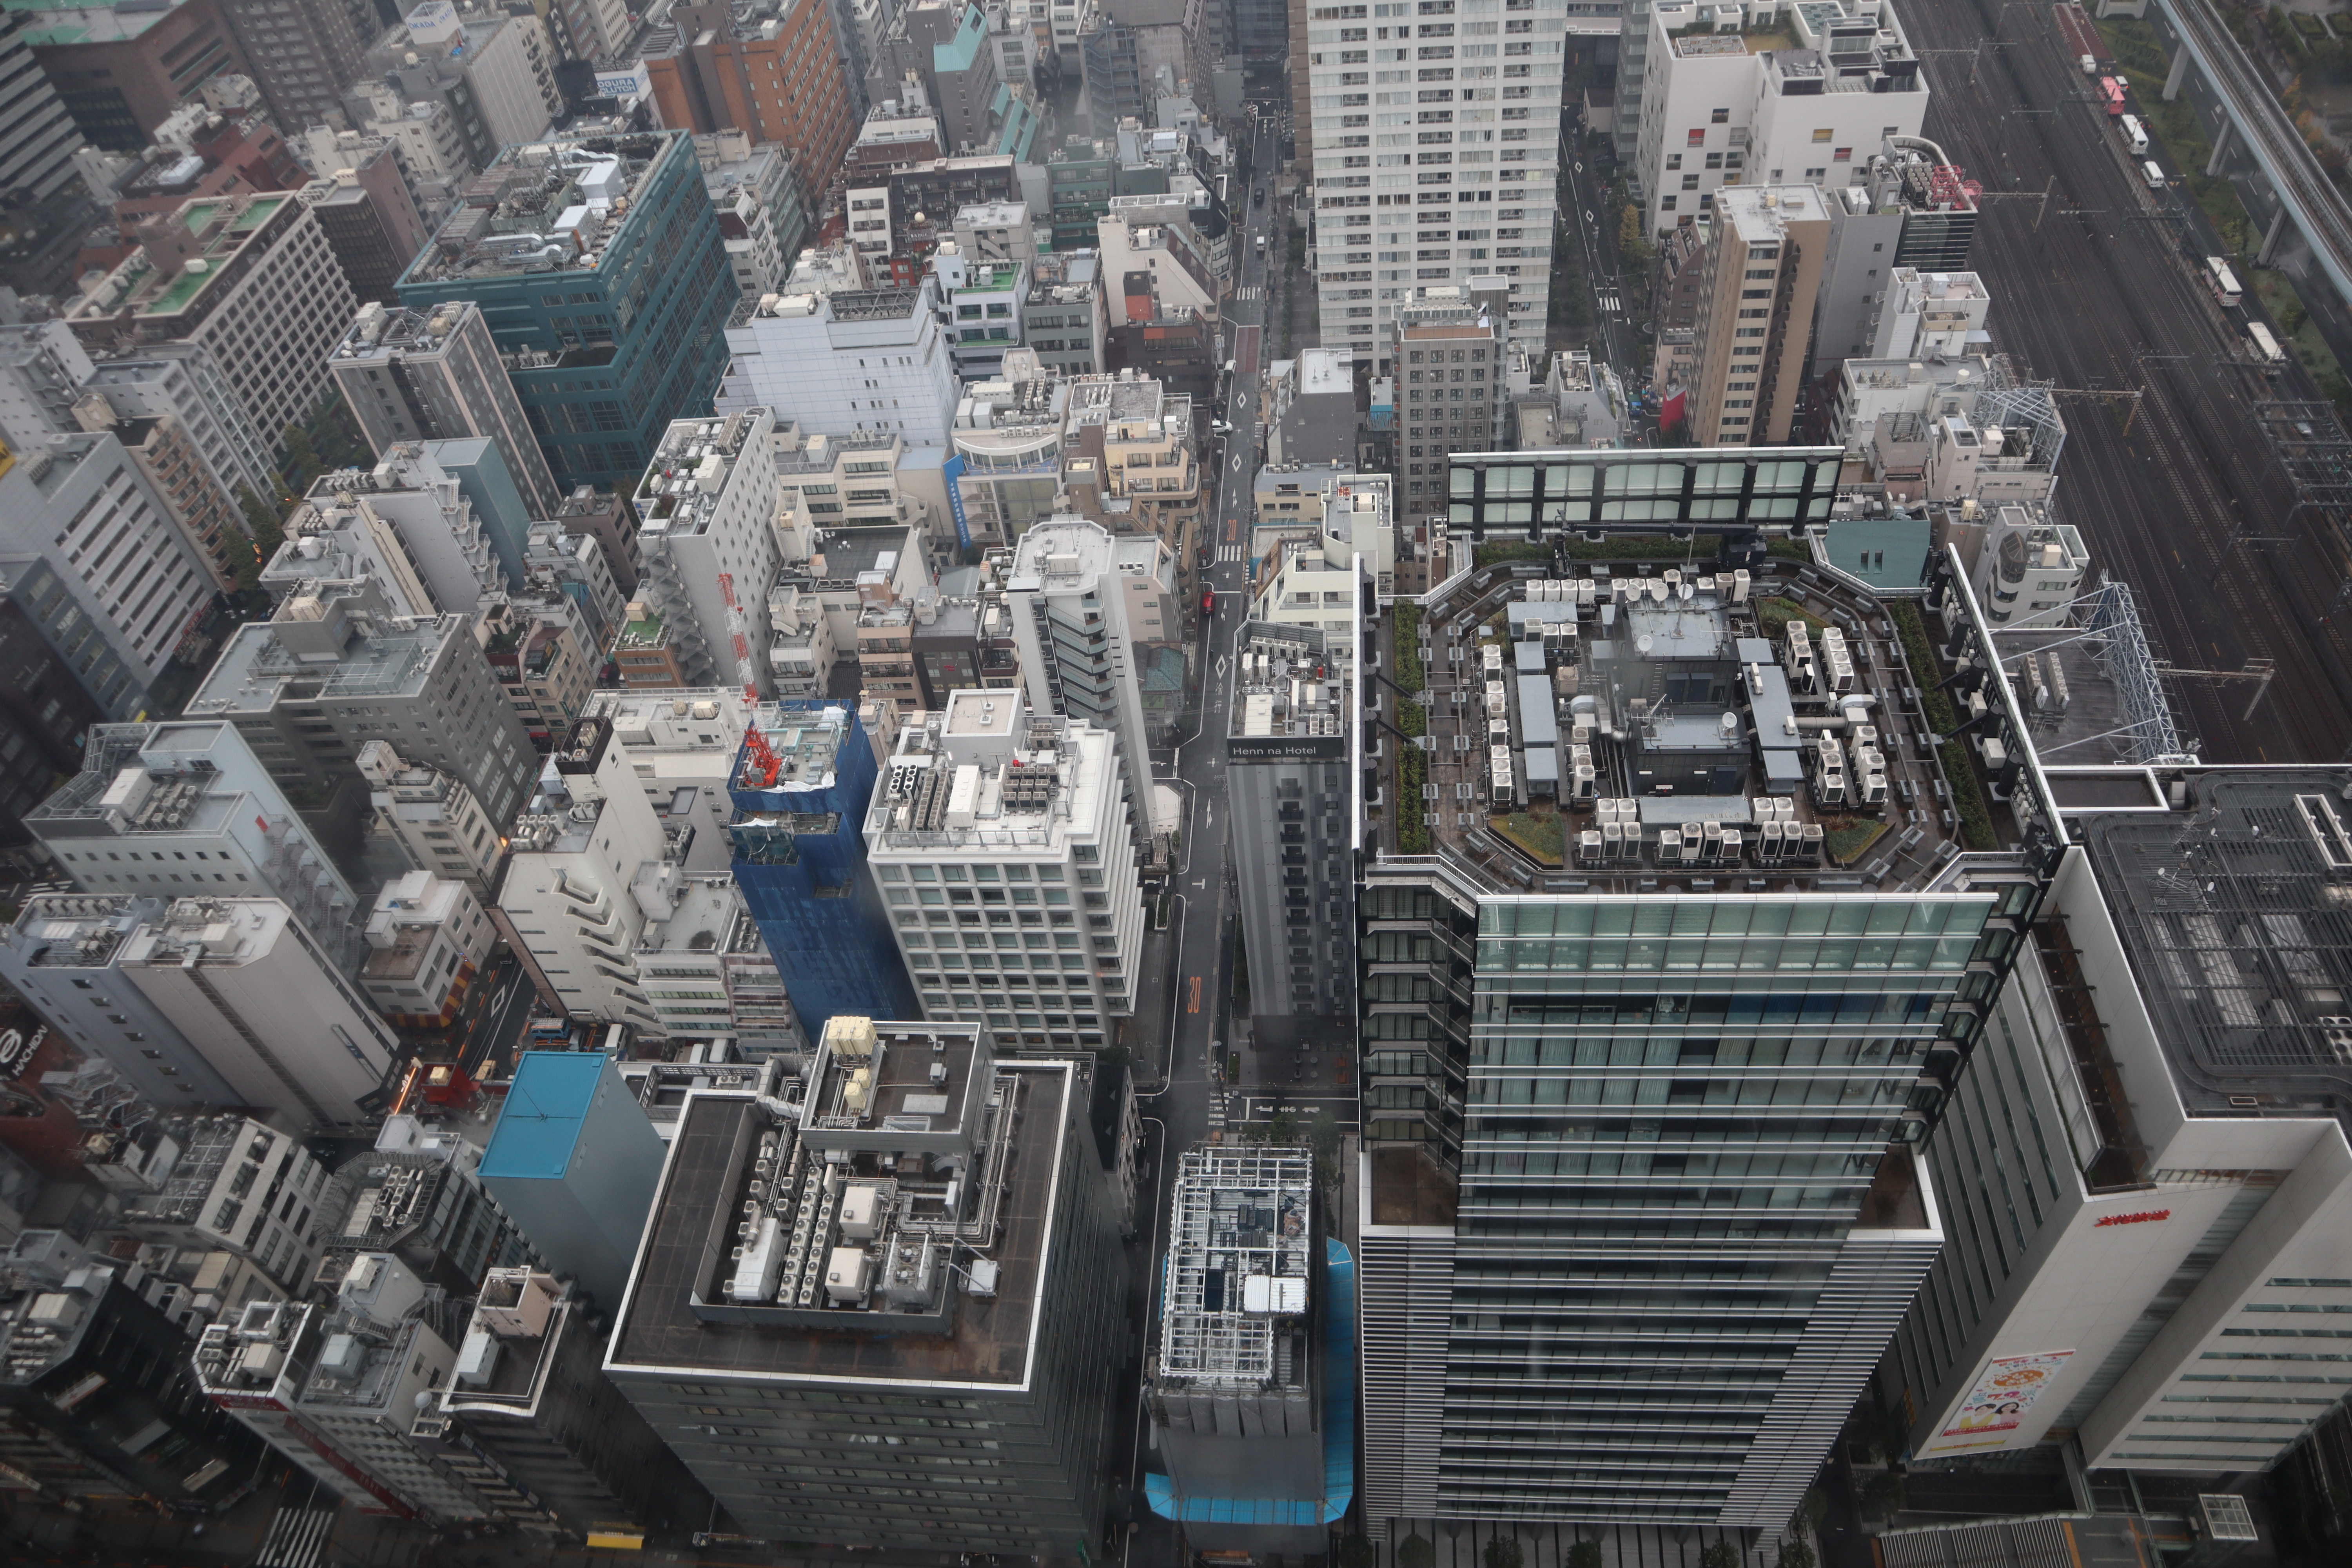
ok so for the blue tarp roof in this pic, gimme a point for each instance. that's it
(1338, 1426)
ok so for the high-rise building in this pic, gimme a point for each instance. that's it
(2149, 1146)
(1286, 746)
(942, 45)
(432, 815)
(225, 1183)
(208, 518)
(624, 336)
(42, 369)
(267, 1006)
(496, 70)
(250, 277)
(63, 955)
(1664, 1075)
(707, 510)
(302, 58)
(427, 938)
(535, 1426)
(1069, 605)
(1759, 278)
(1017, 817)
(334, 1387)
(436, 375)
(852, 362)
(369, 220)
(185, 381)
(575, 1161)
(1481, 212)
(760, 209)
(1911, 210)
(186, 809)
(770, 69)
(120, 74)
(1804, 98)
(93, 555)
(39, 153)
(307, 689)
(43, 714)
(802, 797)
(588, 866)
(940, 1287)
(1253, 1392)
(89, 1371)
(1440, 329)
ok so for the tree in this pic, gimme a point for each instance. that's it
(1814, 1509)
(1504, 1552)
(1719, 1554)
(1881, 1495)
(1413, 1551)
(1797, 1553)
(1584, 1554)
(1355, 1551)
(267, 533)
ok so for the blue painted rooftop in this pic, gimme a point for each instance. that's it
(545, 1110)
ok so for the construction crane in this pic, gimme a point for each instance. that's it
(761, 763)
(735, 629)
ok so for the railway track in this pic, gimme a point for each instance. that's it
(2100, 299)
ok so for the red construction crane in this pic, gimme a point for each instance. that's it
(760, 767)
(744, 671)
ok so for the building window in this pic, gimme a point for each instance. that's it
(1842, 155)
(1823, 135)
(1696, 138)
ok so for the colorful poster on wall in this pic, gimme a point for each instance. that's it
(2005, 1390)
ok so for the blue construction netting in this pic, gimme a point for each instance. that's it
(1338, 1426)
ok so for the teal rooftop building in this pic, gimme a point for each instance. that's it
(599, 266)
(573, 1160)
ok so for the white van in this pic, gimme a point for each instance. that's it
(2154, 173)
(2134, 135)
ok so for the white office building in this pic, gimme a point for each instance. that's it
(92, 553)
(1435, 147)
(1019, 816)
(273, 1014)
(2149, 1151)
(186, 810)
(587, 867)
(863, 362)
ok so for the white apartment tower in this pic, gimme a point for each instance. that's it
(707, 507)
(1019, 816)
(1069, 607)
(1801, 95)
(1435, 132)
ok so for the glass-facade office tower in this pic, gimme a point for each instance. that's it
(1641, 1204)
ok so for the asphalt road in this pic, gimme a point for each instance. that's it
(1615, 306)
(2103, 298)
(1202, 919)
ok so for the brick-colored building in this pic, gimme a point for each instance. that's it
(771, 72)
(121, 70)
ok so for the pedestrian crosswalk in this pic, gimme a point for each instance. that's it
(1229, 554)
(1607, 301)
(1253, 292)
(296, 1537)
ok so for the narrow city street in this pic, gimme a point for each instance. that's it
(1179, 1105)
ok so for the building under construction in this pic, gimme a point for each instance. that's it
(1253, 1387)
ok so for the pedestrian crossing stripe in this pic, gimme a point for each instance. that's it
(296, 1537)
(1228, 554)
